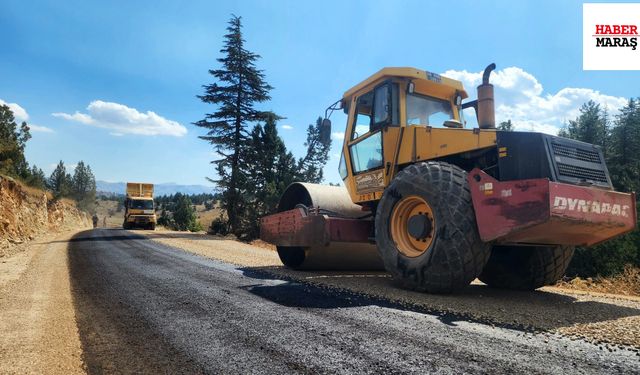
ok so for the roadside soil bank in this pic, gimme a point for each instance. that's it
(27, 213)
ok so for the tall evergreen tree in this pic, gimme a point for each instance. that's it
(271, 170)
(624, 148)
(60, 181)
(238, 88)
(621, 146)
(184, 216)
(37, 178)
(311, 165)
(13, 139)
(590, 126)
(83, 186)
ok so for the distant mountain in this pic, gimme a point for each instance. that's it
(158, 190)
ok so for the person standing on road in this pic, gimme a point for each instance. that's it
(95, 220)
(104, 222)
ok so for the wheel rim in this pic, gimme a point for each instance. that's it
(408, 243)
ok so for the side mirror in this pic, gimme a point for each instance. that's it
(325, 131)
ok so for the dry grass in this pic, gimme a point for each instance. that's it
(68, 201)
(627, 283)
(262, 244)
(108, 209)
(205, 217)
(29, 189)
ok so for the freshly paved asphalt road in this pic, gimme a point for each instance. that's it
(145, 307)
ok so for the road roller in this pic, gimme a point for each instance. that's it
(437, 204)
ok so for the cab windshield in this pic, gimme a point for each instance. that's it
(425, 110)
(141, 204)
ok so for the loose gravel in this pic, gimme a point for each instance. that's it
(38, 329)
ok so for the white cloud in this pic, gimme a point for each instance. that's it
(337, 136)
(19, 113)
(521, 98)
(122, 120)
(40, 129)
(287, 127)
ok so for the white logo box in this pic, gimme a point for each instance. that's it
(620, 57)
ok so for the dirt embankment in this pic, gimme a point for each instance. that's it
(26, 213)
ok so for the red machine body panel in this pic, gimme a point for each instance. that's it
(539, 211)
(296, 227)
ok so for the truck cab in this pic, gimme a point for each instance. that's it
(139, 207)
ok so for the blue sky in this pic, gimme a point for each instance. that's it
(88, 74)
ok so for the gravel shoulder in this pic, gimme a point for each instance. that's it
(610, 321)
(39, 332)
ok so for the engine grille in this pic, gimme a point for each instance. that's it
(591, 156)
(582, 173)
(579, 163)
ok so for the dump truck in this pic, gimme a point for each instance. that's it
(437, 204)
(139, 208)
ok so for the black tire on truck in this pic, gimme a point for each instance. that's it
(526, 267)
(426, 229)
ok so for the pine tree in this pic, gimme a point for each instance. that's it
(83, 186)
(60, 181)
(311, 165)
(37, 178)
(621, 146)
(268, 174)
(184, 216)
(165, 219)
(239, 87)
(13, 139)
(273, 168)
(590, 126)
(624, 148)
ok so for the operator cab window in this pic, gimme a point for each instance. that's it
(364, 109)
(374, 110)
(367, 154)
(342, 167)
(424, 110)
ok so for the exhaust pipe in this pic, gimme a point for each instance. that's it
(486, 106)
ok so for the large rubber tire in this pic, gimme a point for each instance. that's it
(526, 267)
(456, 255)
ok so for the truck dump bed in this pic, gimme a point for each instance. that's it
(138, 189)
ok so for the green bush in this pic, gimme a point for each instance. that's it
(218, 226)
(607, 259)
